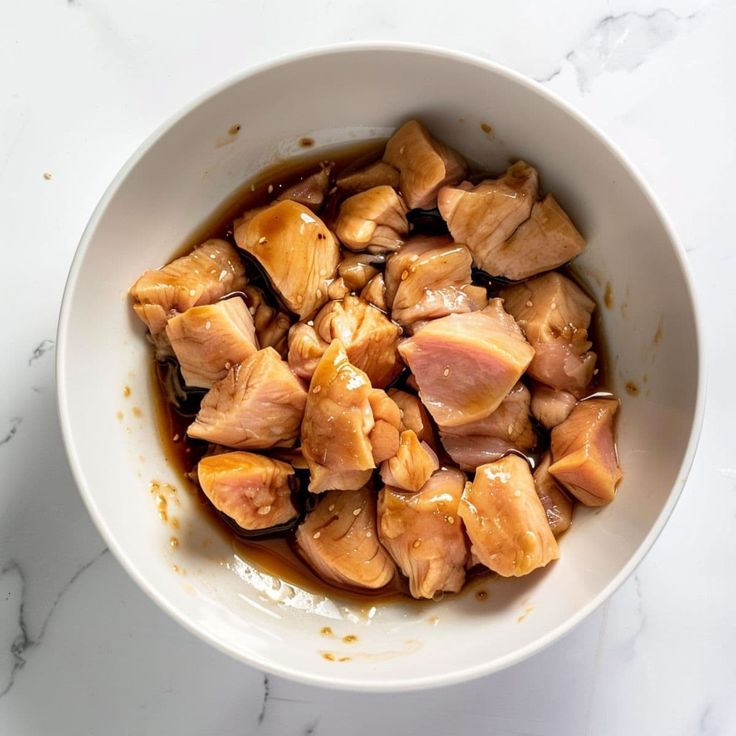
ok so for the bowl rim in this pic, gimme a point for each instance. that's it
(263, 662)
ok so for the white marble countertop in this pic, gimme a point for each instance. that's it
(82, 649)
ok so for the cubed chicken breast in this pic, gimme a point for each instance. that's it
(507, 428)
(201, 277)
(373, 220)
(430, 277)
(296, 250)
(413, 416)
(310, 191)
(465, 364)
(374, 292)
(410, 468)
(369, 337)
(340, 541)
(259, 404)
(357, 269)
(505, 519)
(272, 325)
(550, 406)
(485, 215)
(554, 314)
(557, 504)
(424, 164)
(340, 424)
(253, 490)
(584, 452)
(424, 534)
(376, 174)
(210, 339)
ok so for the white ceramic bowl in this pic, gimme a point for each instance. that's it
(183, 172)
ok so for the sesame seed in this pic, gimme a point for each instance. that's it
(331, 507)
(529, 303)
(319, 293)
(175, 438)
(207, 325)
(228, 365)
(553, 305)
(356, 512)
(262, 240)
(404, 275)
(510, 429)
(450, 519)
(311, 323)
(417, 543)
(369, 534)
(316, 389)
(270, 188)
(446, 372)
(192, 292)
(301, 229)
(595, 372)
(252, 187)
(401, 150)
(252, 310)
(263, 510)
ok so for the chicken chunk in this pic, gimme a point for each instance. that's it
(412, 465)
(340, 426)
(340, 541)
(550, 406)
(369, 337)
(295, 249)
(208, 340)
(376, 174)
(357, 269)
(557, 504)
(259, 404)
(505, 519)
(488, 439)
(202, 277)
(424, 534)
(272, 325)
(309, 192)
(413, 416)
(374, 292)
(253, 490)
(424, 164)
(372, 220)
(430, 277)
(547, 240)
(465, 364)
(584, 452)
(554, 314)
(485, 215)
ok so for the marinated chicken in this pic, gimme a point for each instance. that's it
(376, 353)
(555, 314)
(505, 519)
(584, 452)
(208, 340)
(465, 364)
(295, 249)
(368, 336)
(425, 164)
(373, 220)
(339, 540)
(424, 534)
(202, 277)
(343, 418)
(253, 490)
(258, 404)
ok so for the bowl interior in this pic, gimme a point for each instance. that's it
(166, 192)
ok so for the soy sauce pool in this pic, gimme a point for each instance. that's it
(177, 405)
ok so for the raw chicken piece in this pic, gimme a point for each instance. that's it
(551, 407)
(202, 277)
(369, 337)
(410, 468)
(374, 292)
(557, 504)
(485, 215)
(584, 452)
(465, 364)
(430, 277)
(253, 490)
(507, 428)
(272, 326)
(375, 175)
(295, 249)
(259, 404)
(357, 269)
(548, 239)
(339, 540)
(424, 163)
(554, 314)
(505, 519)
(210, 339)
(310, 191)
(340, 426)
(424, 534)
(372, 220)
(413, 416)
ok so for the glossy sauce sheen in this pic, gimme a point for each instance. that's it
(176, 407)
